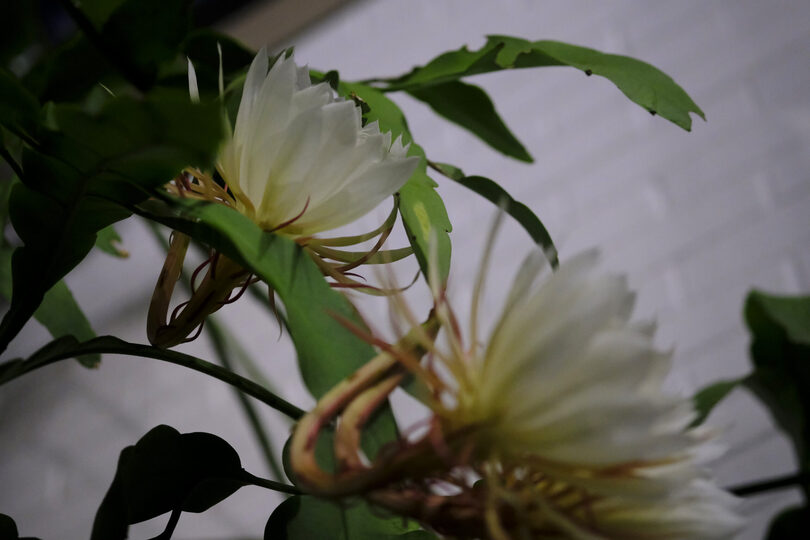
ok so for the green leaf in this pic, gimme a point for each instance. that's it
(790, 524)
(8, 529)
(706, 399)
(304, 517)
(73, 183)
(780, 351)
(422, 209)
(327, 351)
(470, 107)
(168, 471)
(639, 81)
(497, 195)
(59, 313)
(108, 240)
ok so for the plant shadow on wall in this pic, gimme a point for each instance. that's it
(252, 160)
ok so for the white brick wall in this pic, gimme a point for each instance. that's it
(695, 219)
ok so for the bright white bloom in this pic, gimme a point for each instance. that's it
(565, 407)
(299, 160)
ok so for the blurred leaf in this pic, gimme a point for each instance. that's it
(639, 81)
(59, 313)
(706, 399)
(108, 240)
(327, 351)
(790, 524)
(19, 110)
(8, 529)
(165, 22)
(70, 71)
(520, 212)
(73, 183)
(780, 350)
(166, 471)
(470, 107)
(304, 517)
(422, 209)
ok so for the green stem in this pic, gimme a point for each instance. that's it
(779, 482)
(270, 484)
(65, 348)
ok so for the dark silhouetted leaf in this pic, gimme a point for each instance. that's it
(642, 83)
(8, 529)
(470, 107)
(166, 471)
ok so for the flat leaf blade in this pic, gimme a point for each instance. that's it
(642, 83)
(471, 108)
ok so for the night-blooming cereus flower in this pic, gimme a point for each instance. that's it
(298, 162)
(565, 416)
(555, 426)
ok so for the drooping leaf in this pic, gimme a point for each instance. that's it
(327, 351)
(780, 351)
(59, 313)
(109, 241)
(73, 182)
(422, 209)
(707, 398)
(470, 107)
(494, 193)
(640, 82)
(304, 517)
(167, 471)
(8, 529)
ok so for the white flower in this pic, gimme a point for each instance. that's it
(299, 161)
(565, 409)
